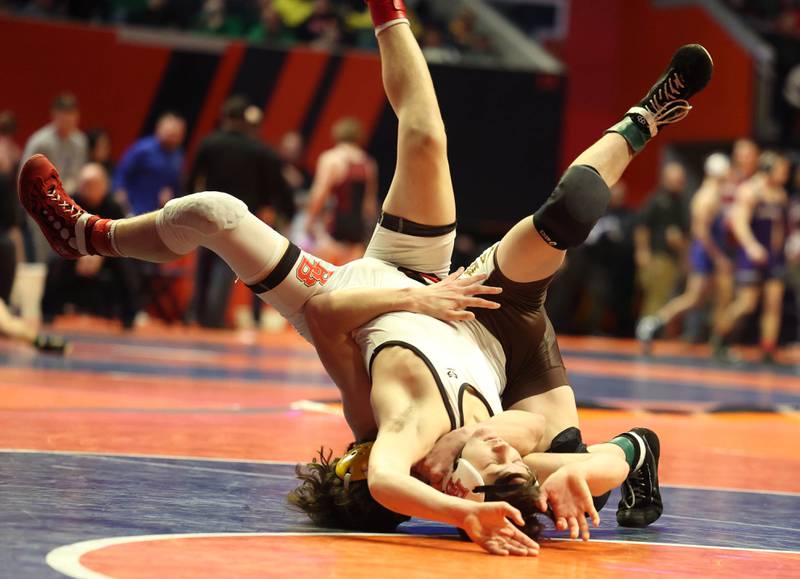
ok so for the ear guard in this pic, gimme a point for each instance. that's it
(463, 481)
(353, 465)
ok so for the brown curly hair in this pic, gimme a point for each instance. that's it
(523, 494)
(322, 496)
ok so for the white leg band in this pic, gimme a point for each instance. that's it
(385, 25)
(80, 233)
(112, 238)
(642, 450)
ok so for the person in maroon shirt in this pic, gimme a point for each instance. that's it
(347, 178)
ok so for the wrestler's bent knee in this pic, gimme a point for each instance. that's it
(208, 212)
(571, 211)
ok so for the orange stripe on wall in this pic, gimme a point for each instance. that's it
(294, 91)
(357, 92)
(220, 87)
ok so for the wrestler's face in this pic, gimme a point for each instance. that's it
(493, 456)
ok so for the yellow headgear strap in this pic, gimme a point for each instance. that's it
(353, 465)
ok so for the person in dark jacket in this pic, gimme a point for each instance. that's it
(231, 160)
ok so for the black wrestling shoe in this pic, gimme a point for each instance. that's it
(667, 101)
(51, 344)
(641, 498)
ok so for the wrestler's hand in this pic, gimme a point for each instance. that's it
(448, 299)
(567, 493)
(439, 461)
(488, 525)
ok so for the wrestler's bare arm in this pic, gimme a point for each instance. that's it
(410, 419)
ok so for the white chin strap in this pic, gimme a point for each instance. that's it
(462, 480)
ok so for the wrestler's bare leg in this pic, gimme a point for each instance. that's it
(421, 190)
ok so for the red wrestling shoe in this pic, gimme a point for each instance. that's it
(386, 13)
(71, 231)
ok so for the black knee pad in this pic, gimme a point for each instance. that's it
(569, 214)
(570, 441)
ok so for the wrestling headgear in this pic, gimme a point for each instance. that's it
(353, 465)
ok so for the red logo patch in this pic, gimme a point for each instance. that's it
(311, 273)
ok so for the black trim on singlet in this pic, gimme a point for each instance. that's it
(400, 225)
(431, 367)
(277, 275)
(418, 276)
(463, 390)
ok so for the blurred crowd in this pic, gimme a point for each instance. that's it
(325, 24)
(710, 262)
(337, 208)
(705, 262)
(771, 16)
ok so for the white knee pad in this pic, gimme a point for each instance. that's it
(187, 222)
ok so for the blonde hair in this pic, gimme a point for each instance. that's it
(348, 130)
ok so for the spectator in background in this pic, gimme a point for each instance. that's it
(294, 12)
(758, 220)
(793, 250)
(160, 14)
(11, 249)
(108, 287)
(270, 27)
(593, 290)
(347, 177)
(323, 28)
(707, 254)
(214, 18)
(100, 149)
(435, 48)
(231, 160)
(744, 164)
(10, 152)
(290, 151)
(610, 271)
(61, 140)
(149, 172)
(464, 32)
(660, 239)
(66, 146)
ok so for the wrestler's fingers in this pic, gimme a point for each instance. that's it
(480, 289)
(574, 527)
(593, 514)
(453, 276)
(459, 316)
(519, 537)
(584, 527)
(480, 303)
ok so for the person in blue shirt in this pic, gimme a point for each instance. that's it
(149, 173)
